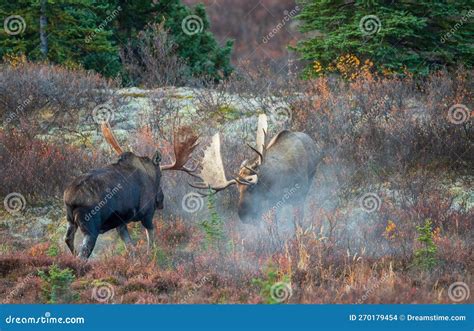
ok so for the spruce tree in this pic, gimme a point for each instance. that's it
(415, 36)
(196, 44)
(90, 33)
(71, 32)
(189, 31)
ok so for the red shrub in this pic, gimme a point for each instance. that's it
(39, 169)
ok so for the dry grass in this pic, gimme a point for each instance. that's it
(182, 270)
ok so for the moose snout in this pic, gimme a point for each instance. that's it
(247, 214)
(245, 217)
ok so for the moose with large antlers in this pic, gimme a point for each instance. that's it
(122, 192)
(281, 171)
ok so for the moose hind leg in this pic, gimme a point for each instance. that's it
(69, 239)
(88, 245)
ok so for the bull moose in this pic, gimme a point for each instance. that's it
(280, 173)
(125, 191)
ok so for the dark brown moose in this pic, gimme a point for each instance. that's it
(125, 191)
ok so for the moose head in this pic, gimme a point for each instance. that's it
(279, 173)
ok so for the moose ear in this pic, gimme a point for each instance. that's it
(156, 158)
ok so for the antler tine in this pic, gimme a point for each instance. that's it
(199, 186)
(110, 137)
(264, 138)
(242, 181)
(256, 151)
(203, 186)
(262, 127)
(190, 171)
(251, 170)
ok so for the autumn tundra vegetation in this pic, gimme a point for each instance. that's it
(384, 141)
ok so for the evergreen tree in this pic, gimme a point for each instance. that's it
(195, 43)
(133, 18)
(418, 36)
(71, 32)
(90, 32)
(189, 31)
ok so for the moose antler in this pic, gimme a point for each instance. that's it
(184, 143)
(262, 127)
(212, 172)
(110, 137)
